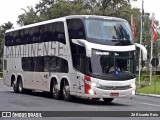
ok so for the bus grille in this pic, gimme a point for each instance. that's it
(114, 87)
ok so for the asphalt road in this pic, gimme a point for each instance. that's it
(38, 101)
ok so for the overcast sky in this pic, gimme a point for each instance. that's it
(10, 9)
(150, 6)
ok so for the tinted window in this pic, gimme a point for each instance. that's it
(44, 33)
(27, 64)
(25, 36)
(76, 29)
(110, 32)
(36, 34)
(38, 64)
(45, 64)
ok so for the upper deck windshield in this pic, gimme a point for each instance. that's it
(111, 32)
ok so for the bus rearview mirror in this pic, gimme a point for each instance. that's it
(144, 51)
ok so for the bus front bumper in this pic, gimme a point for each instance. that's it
(99, 93)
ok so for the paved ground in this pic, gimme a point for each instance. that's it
(37, 101)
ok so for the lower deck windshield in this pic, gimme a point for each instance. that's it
(112, 65)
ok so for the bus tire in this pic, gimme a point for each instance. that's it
(55, 91)
(108, 100)
(66, 91)
(20, 86)
(15, 87)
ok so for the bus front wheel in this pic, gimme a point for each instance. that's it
(108, 100)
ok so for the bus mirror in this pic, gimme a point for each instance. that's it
(144, 50)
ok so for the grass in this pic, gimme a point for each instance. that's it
(154, 88)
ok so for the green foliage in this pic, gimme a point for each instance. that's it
(154, 88)
(29, 17)
(47, 9)
(3, 28)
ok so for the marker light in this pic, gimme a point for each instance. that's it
(93, 84)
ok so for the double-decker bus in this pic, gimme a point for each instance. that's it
(85, 56)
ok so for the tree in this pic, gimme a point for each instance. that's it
(3, 28)
(30, 16)
(48, 9)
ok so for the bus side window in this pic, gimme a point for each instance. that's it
(25, 36)
(58, 33)
(7, 38)
(64, 66)
(10, 40)
(36, 35)
(30, 35)
(46, 33)
(46, 63)
(61, 33)
(38, 64)
(75, 29)
(19, 36)
(14, 40)
(52, 29)
(27, 64)
(54, 64)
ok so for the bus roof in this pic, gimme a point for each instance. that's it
(63, 19)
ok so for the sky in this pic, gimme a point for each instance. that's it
(10, 9)
(150, 6)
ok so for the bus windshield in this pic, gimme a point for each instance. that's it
(112, 65)
(107, 31)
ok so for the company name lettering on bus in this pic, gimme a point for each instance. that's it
(37, 49)
(102, 53)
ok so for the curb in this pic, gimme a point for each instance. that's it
(150, 95)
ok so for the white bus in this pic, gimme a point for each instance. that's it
(85, 56)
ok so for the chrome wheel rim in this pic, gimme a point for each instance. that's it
(55, 90)
(66, 91)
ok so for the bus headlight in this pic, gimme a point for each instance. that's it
(93, 84)
(133, 85)
(91, 92)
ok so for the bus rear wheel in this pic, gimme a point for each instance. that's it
(20, 86)
(66, 91)
(108, 100)
(15, 87)
(55, 91)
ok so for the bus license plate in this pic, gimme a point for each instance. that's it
(114, 94)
